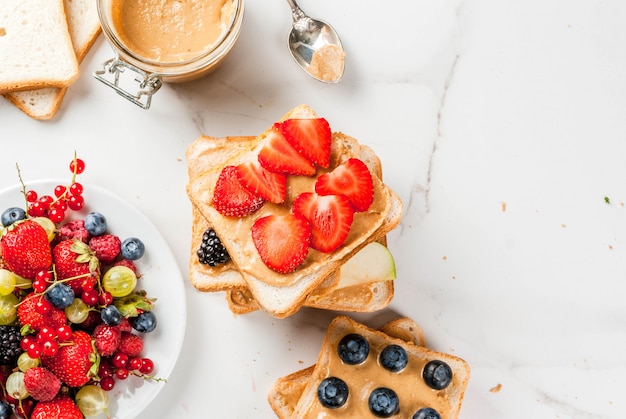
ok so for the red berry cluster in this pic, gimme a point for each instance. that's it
(65, 197)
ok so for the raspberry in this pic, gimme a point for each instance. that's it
(74, 230)
(130, 344)
(106, 247)
(125, 325)
(41, 384)
(107, 339)
(128, 263)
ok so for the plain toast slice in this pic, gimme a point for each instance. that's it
(35, 45)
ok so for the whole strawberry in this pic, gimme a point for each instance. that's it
(28, 314)
(74, 259)
(61, 407)
(41, 384)
(25, 249)
(73, 362)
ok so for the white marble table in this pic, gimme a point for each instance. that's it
(500, 124)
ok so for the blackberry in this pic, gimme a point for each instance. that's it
(10, 349)
(212, 252)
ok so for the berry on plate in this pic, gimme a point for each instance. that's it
(282, 241)
(41, 384)
(73, 362)
(25, 249)
(61, 407)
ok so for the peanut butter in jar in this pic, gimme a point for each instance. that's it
(166, 40)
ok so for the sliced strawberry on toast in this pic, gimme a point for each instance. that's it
(258, 180)
(231, 199)
(353, 179)
(330, 217)
(282, 241)
(311, 137)
(278, 155)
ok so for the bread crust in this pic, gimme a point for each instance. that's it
(84, 28)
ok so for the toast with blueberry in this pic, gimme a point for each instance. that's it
(287, 390)
(264, 199)
(363, 372)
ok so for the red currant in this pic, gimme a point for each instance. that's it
(60, 190)
(90, 297)
(76, 188)
(147, 366)
(39, 285)
(64, 333)
(105, 370)
(76, 202)
(50, 348)
(119, 360)
(34, 350)
(26, 341)
(105, 298)
(77, 166)
(135, 364)
(43, 306)
(121, 373)
(31, 196)
(107, 383)
(46, 334)
(44, 275)
(45, 201)
(36, 209)
(56, 215)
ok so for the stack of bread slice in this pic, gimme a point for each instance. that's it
(42, 44)
(248, 283)
(296, 395)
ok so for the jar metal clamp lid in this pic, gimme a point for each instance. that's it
(149, 52)
(110, 74)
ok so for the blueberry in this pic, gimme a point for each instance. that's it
(145, 322)
(437, 374)
(5, 410)
(111, 315)
(393, 358)
(60, 295)
(332, 392)
(426, 413)
(11, 215)
(383, 402)
(95, 223)
(353, 349)
(132, 248)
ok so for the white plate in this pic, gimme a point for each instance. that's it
(161, 278)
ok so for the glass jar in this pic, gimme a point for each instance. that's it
(158, 41)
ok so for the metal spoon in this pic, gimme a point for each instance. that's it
(315, 46)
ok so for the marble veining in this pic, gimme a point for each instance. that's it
(500, 124)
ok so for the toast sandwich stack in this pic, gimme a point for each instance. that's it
(249, 283)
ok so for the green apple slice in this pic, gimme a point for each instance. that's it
(374, 262)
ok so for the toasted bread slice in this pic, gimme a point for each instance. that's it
(84, 27)
(362, 379)
(205, 152)
(283, 294)
(286, 391)
(36, 48)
